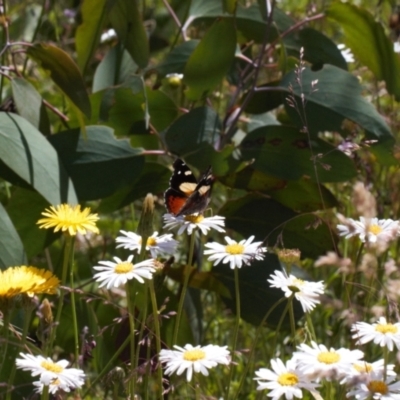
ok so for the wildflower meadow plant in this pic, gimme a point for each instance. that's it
(199, 200)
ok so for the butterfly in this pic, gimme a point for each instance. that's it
(185, 194)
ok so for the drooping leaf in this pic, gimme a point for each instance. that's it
(211, 59)
(98, 164)
(127, 22)
(274, 223)
(27, 158)
(257, 298)
(88, 33)
(369, 43)
(11, 249)
(284, 152)
(64, 72)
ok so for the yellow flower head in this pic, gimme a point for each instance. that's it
(69, 218)
(27, 280)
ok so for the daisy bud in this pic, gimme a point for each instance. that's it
(145, 227)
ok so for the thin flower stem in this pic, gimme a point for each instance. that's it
(310, 327)
(25, 328)
(45, 393)
(74, 317)
(157, 333)
(131, 312)
(292, 321)
(184, 289)
(66, 259)
(197, 387)
(5, 334)
(237, 324)
(253, 348)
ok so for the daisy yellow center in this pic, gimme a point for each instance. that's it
(375, 229)
(151, 241)
(234, 249)
(50, 366)
(387, 328)
(377, 387)
(194, 355)
(288, 379)
(194, 219)
(297, 283)
(123, 268)
(328, 357)
(365, 367)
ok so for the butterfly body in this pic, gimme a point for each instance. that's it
(186, 195)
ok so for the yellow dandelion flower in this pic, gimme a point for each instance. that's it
(27, 280)
(69, 218)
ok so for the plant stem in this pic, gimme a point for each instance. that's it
(157, 333)
(237, 324)
(184, 289)
(66, 259)
(131, 313)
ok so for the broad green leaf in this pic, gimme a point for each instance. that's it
(256, 296)
(64, 72)
(33, 204)
(116, 67)
(127, 22)
(199, 125)
(175, 61)
(211, 59)
(369, 43)
(98, 164)
(87, 36)
(27, 157)
(229, 6)
(335, 97)
(284, 152)
(154, 178)
(273, 223)
(11, 249)
(27, 100)
(266, 98)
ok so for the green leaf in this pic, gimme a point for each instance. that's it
(335, 97)
(64, 72)
(175, 61)
(154, 178)
(256, 296)
(199, 125)
(272, 222)
(33, 204)
(27, 157)
(116, 67)
(284, 152)
(127, 22)
(88, 33)
(97, 163)
(211, 59)
(369, 43)
(11, 249)
(27, 100)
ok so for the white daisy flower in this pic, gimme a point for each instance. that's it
(361, 371)
(370, 230)
(234, 253)
(54, 387)
(382, 332)
(317, 362)
(376, 388)
(283, 380)
(119, 272)
(193, 359)
(306, 292)
(51, 372)
(190, 222)
(163, 244)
